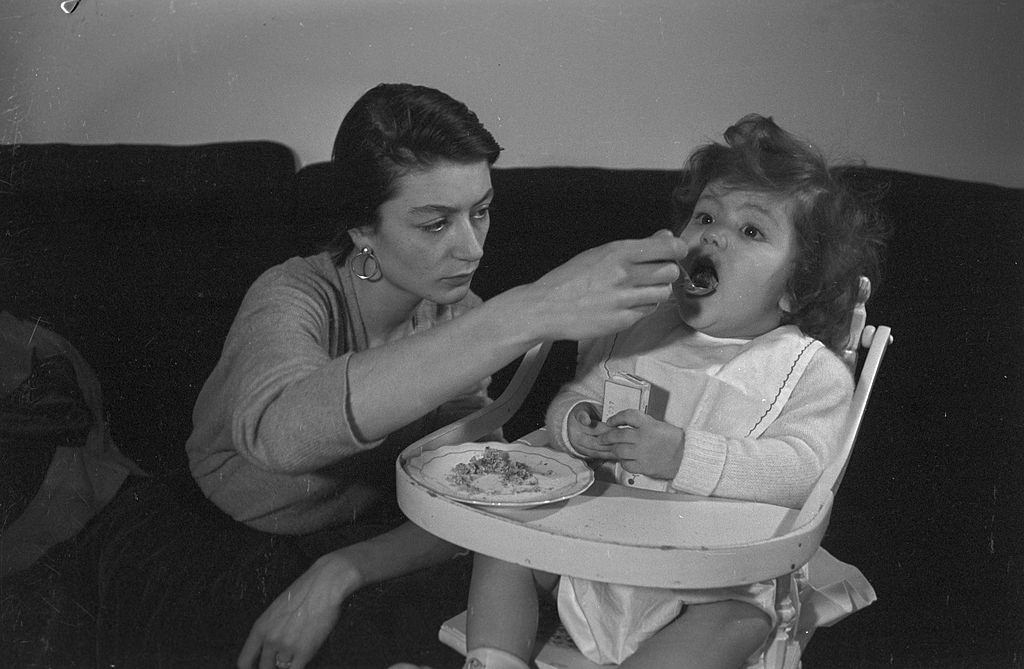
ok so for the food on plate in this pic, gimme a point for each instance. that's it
(493, 469)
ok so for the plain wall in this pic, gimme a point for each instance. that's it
(926, 86)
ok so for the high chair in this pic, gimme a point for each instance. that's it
(720, 542)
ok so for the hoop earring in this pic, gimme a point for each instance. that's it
(365, 260)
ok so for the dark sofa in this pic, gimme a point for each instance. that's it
(139, 256)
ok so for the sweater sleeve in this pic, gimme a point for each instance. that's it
(783, 464)
(277, 387)
(281, 385)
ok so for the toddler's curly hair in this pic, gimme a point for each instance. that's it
(841, 233)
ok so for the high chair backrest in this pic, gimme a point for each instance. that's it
(876, 340)
(858, 319)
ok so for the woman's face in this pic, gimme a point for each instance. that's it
(744, 244)
(431, 233)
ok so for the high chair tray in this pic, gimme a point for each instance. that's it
(619, 534)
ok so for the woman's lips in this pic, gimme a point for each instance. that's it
(459, 279)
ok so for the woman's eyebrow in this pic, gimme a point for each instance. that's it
(432, 209)
(487, 196)
(445, 209)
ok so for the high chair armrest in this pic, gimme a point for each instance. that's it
(489, 418)
(538, 437)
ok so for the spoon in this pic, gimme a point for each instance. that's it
(689, 286)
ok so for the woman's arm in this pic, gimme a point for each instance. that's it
(600, 291)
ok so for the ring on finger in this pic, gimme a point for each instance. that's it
(282, 662)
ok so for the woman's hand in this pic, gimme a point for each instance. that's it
(608, 288)
(292, 629)
(297, 623)
(644, 445)
(584, 429)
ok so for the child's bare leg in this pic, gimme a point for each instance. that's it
(719, 635)
(503, 606)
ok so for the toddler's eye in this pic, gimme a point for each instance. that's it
(703, 219)
(751, 232)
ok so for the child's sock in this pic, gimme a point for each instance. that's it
(492, 658)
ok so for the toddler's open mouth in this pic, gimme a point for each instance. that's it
(701, 278)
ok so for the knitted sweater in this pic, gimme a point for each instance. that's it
(740, 440)
(272, 443)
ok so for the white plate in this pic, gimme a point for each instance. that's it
(559, 475)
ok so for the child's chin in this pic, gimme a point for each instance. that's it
(690, 312)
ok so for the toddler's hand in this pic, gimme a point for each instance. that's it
(645, 446)
(585, 428)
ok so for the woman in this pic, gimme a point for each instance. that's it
(321, 345)
(333, 364)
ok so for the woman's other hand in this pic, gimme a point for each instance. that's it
(291, 630)
(610, 287)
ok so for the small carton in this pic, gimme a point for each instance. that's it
(625, 391)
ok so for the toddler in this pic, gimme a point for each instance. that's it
(754, 396)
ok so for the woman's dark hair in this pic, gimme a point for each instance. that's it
(391, 130)
(841, 234)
